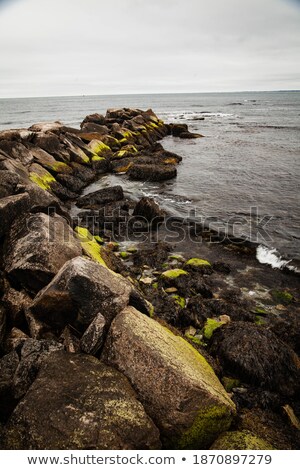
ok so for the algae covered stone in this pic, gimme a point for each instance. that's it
(176, 385)
(240, 440)
(174, 273)
(210, 326)
(77, 402)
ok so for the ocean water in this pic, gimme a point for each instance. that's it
(241, 177)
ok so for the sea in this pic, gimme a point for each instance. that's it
(241, 178)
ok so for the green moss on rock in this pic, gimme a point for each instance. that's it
(174, 273)
(43, 181)
(283, 297)
(197, 262)
(90, 245)
(240, 440)
(179, 300)
(230, 383)
(210, 326)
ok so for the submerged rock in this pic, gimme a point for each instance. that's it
(176, 385)
(85, 405)
(37, 248)
(257, 356)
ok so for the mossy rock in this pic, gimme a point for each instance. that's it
(179, 258)
(174, 273)
(100, 149)
(90, 245)
(210, 326)
(284, 297)
(198, 263)
(124, 255)
(230, 383)
(179, 300)
(240, 440)
(195, 339)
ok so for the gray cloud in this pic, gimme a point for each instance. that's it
(64, 47)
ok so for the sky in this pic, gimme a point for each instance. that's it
(98, 47)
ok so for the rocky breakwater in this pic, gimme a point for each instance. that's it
(136, 349)
(69, 305)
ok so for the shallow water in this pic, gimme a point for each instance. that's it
(242, 176)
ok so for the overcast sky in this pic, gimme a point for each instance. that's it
(81, 47)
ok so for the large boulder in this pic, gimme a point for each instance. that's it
(176, 385)
(257, 356)
(37, 248)
(80, 290)
(101, 197)
(152, 172)
(148, 209)
(17, 151)
(11, 208)
(77, 402)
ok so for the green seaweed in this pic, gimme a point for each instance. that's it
(210, 326)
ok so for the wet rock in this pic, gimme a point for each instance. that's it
(190, 135)
(257, 356)
(152, 172)
(101, 197)
(178, 129)
(11, 207)
(8, 367)
(8, 183)
(37, 248)
(33, 353)
(78, 292)
(72, 183)
(93, 336)
(240, 440)
(82, 172)
(177, 387)
(287, 328)
(92, 405)
(149, 210)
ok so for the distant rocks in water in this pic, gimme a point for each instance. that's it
(181, 130)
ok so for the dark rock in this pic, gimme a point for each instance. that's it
(11, 208)
(70, 340)
(177, 129)
(15, 340)
(2, 325)
(8, 183)
(8, 367)
(33, 353)
(72, 183)
(93, 336)
(37, 248)
(96, 118)
(78, 292)
(190, 135)
(152, 172)
(101, 197)
(48, 142)
(82, 172)
(92, 405)
(150, 210)
(16, 303)
(221, 267)
(257, 356)
(287, 327)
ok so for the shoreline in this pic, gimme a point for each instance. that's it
(240, 317)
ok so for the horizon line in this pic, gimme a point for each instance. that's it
(151, 93)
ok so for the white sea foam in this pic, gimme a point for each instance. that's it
(270, 256)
